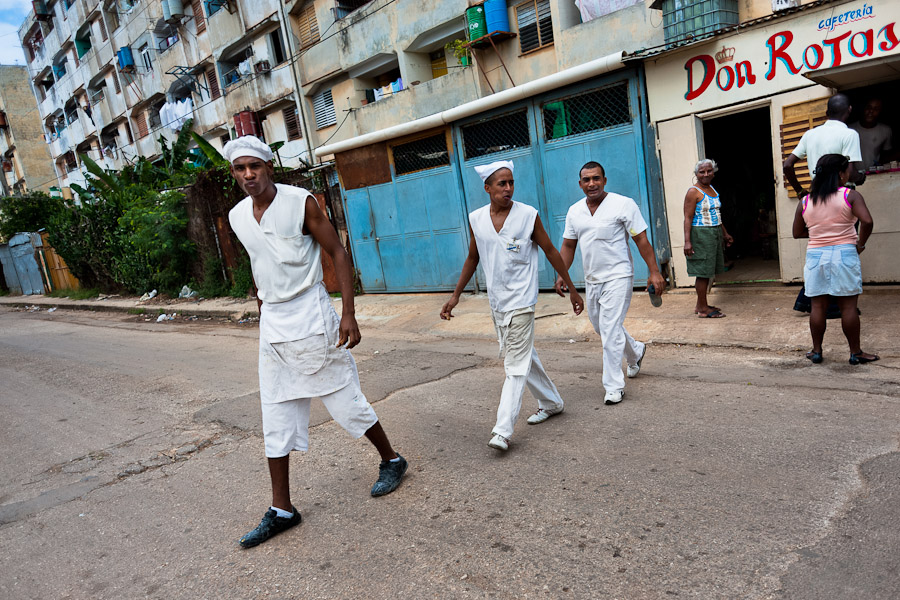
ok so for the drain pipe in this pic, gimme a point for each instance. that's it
(520, 92)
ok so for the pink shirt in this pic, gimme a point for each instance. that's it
(830, 222)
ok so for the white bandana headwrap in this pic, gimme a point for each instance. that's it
(485, 171)
(247, 146)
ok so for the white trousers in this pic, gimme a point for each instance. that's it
(286, 424)
(523, 369)
(607, 304)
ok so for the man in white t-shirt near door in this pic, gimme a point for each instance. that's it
(602, 222)
(504, 236)
(303, 344)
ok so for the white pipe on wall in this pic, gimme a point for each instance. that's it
(520, 92)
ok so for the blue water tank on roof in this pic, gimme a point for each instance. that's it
(496, 15)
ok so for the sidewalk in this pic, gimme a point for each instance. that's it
(757, 317)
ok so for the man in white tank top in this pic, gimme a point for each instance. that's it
(504, 236)
(602, 222)
(303, 345)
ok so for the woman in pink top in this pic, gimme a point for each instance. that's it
(828, 216)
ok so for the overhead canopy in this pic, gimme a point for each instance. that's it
(869, 72)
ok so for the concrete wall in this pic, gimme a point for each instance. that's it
(32, 161)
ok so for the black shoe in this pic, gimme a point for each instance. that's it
(270, 526)
(389, 476)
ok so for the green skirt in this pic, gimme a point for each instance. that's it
(709, 257)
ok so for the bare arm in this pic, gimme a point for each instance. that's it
(799, 229)
(655, 278)
(861, 212)
(543, 240)
(467, 271)
(320, 228)
(690, 206)
(791, 175)
(567, 254)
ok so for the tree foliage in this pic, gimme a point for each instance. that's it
(29, 212)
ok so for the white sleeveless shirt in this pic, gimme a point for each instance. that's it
(509, 257)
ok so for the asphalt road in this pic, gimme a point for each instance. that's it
(133, 461)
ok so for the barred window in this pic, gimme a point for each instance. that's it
(213, 80)
(291, 123)
(418, 155)
(535, 25)
(199, 21)
(590, 111)
(498, 134)
(141, 121)
(323, 109)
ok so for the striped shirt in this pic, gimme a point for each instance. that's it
(707, 212)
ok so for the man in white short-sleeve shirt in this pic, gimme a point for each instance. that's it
(602, 222)
(504, 237)
(831, 137)
(303, 344)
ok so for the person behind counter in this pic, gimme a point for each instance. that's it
(875, 139)
(827, 216)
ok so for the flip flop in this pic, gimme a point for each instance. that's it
(711, 307)
(713, 314)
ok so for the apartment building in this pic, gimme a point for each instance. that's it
(405, 112)
(23, 154)
(113, 76)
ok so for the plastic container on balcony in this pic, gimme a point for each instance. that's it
(125, 59)
(685, 20)
(173, 10)
(496, 16)
(477, 24)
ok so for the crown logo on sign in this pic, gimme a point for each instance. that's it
(724, 55)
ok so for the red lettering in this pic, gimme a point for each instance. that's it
(869, 41)
(779, 54)
(747, 76)
(890, 37)
(709, 72)
(729, 82)
(818, 54)
(835, 44)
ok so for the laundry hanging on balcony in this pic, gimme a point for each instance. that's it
(174, 114)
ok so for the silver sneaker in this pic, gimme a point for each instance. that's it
(632, 371)
(542, 415)
(498, 442)
(614, 397)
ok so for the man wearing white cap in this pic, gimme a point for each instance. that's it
(603, 221)
(303, 345)
(504, 236)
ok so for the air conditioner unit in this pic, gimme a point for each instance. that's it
(262, 66)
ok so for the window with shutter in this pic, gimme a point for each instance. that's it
(291, 123)
(102, 29)
(213, 80)
(323, 108)
(307, 26)
(141, 121)
(197, 7)
(535, 25)
(797, 119)
(115, 78)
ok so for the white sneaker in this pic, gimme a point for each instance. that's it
(542, 415)
(614, 397)
(498, 442)
(632, 371)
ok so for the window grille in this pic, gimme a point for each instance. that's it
(498, 134)
(291, 123)
(102, 26)
(535, 24)
(213, 80)
(418, 155)
(598, 109)
(199, 21)
(307, 26)
(323, 109)
(116, 84)
(688, 19)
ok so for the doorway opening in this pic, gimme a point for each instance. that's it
(741, 144)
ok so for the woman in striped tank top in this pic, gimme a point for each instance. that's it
(827, 216)
(704, 235)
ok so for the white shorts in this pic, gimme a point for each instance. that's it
(286, 424)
